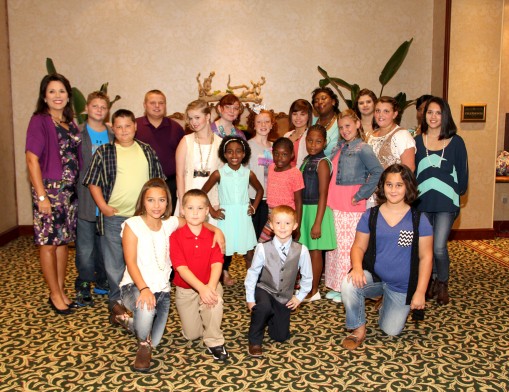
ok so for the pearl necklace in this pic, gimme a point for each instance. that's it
(160, 265)
(427, 152)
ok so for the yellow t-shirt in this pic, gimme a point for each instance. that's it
(132, 173)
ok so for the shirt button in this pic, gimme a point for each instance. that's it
(196, 246)
(281, 280)
(195, 238)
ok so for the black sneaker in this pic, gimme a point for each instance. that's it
(219, 353)
(83, 297)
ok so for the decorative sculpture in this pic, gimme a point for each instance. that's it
(248, 94)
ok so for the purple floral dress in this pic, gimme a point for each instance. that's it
(59, 228)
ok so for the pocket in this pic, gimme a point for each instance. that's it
(405, 238)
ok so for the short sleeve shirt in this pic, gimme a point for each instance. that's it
(281, 186)
(195, 252)
(394, 247)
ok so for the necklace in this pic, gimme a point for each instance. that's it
(223, 133)
(57, 120)
(329, 123)
(427, 152)
(161, 264)
(203, 167)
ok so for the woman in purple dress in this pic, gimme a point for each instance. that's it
(52, 161)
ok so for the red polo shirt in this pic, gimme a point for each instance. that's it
(195, 252)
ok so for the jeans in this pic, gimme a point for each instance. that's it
(442, 223)
(113, 255)
(392, 314)
(147, 323)
(89, 258)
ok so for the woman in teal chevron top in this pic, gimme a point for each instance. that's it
(442, 174)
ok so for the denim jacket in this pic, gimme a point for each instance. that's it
(358, 164)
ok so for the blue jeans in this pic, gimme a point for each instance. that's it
(392, 314)
(442, 223)
(89, 258)
(147, 323)
(113, 255)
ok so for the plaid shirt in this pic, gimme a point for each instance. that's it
(102, 171)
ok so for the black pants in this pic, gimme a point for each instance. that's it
(171, 181)
(260, 218)
(268, 311)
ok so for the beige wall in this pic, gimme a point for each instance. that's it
(7, 171)
(139, 45)
(474, 77)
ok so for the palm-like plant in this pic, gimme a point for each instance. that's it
(78, 99)
(386, 75)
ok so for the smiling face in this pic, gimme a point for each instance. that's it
(229, 112)
(300, 119)
(263, 124)
(434, 116)
(366, 105)
(155, 202)
(234, 154)
(323, 104)
(283, 225)
(198, 120)
(282, 157)
(394, 188)
(385, 114)
(155, 106)
(196, 210)
(56, 96)
(124, 129)
(348, 128)
(315, 143)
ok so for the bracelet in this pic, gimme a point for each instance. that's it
(146, 287)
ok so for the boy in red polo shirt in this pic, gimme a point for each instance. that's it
(198, 267)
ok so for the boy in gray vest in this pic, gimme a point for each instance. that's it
(270, 281)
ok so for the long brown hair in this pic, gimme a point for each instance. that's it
(153, 183)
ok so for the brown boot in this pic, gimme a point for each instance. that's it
(432, 288)
(442, 293)
(143, 357)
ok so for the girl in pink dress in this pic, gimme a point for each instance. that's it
(355, 174)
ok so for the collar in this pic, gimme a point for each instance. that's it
(278, 243)
(189, 234)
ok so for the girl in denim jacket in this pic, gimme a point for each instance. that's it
(355, 174)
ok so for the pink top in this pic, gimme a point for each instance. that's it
(340, 196)
(281, 186)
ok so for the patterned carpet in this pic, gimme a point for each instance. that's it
(460, 347)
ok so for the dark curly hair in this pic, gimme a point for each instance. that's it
(330, 93)
(408, 178)
(239, 140)
(284, 142)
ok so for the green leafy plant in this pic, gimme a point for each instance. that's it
(79, 101)
(386, 75)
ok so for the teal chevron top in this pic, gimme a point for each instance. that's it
(441, 180)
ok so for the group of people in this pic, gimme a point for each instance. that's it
(141, 198)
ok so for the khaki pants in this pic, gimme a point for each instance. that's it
(199, 320)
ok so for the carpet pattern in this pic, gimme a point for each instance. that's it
(460, 347)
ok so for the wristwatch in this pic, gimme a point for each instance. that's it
(42, 198)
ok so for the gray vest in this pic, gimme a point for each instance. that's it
(278, 277)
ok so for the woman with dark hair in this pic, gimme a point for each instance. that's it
(391, 256)
(326, 104)
(52, 161)
(364, 107)
(300, 117)
(229, 109)
(442, 175)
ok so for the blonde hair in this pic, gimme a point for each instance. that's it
(199, 104)
(283, 210)
(353, 116)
